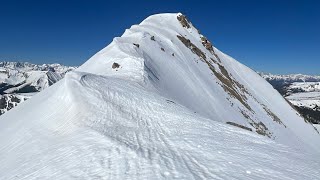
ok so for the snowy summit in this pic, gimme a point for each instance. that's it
(159, 102)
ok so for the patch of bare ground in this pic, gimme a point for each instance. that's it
(214, 61)
(234, 88)
(259, 126)
(208, 45)
(239, 125)
(315, 129)
(183, 21)
(205, 42)
(272, 115)
(262, 129)
(192, 47)
(228, 83)
(115, 65)
(137, 45)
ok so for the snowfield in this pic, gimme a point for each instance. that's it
(160, 102)
(308, 96)
(119, 130)
(306, 86)
(305, 99)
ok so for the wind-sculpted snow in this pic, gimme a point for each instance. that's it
(107, 128)
(193, 73)
(155, 106)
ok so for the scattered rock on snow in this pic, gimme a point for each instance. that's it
(115, 65)
(136, 45)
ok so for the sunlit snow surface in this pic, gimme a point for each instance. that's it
(305, 99)
(99, 127)
(309, 98)
(157, 116)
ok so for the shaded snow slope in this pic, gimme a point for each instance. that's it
(159, 102)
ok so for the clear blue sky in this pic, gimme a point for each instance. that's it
(275, 36)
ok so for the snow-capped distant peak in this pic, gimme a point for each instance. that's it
(17, 78)
(291, 77)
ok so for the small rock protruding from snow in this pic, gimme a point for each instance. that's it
(115, 65)
(137, 45)
(184, 21)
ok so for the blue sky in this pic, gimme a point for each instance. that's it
(267, 35)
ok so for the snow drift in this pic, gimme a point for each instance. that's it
(158, 102)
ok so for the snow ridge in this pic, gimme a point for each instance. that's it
(183, 66)
(160, 102)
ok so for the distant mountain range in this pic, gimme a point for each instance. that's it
(290, 78)
(21, 80)
(303, 91)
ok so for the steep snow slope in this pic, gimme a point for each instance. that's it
(155, 104)
(183, 66)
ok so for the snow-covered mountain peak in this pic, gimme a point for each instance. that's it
(159, 102)
(160, 30)
(165, 52)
